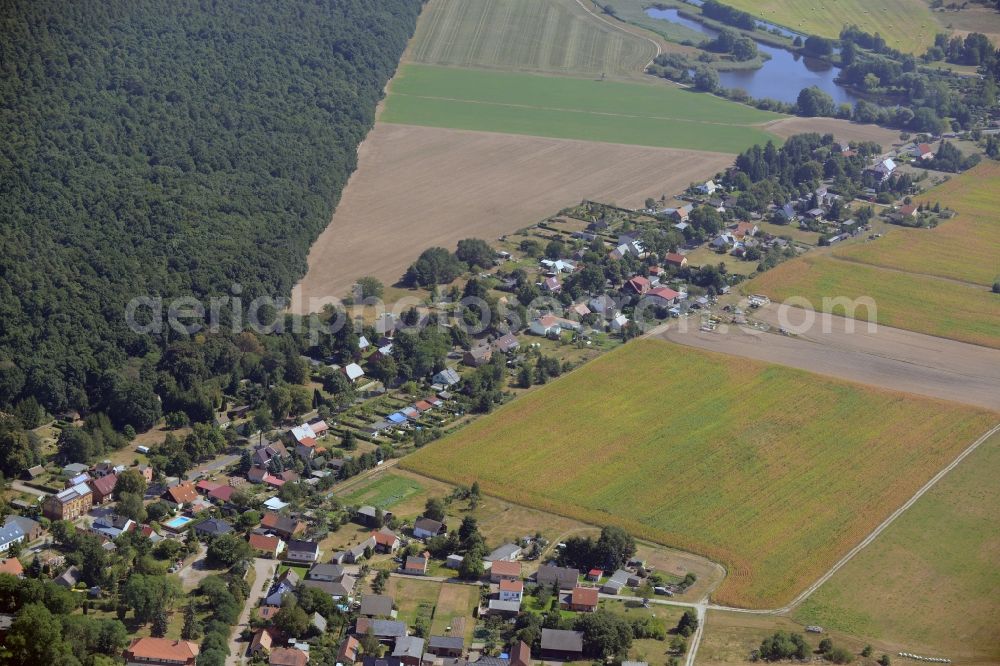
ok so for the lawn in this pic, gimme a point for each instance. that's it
(907, 25)
(930, 581)
(966, 248)
(773, 472)
(646, 114)
(414, 598)
(385, 492)
(556, 36)
(455, 606)
(913, 302)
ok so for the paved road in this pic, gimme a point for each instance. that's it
(264, 571)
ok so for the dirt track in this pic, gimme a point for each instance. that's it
(843, 130)
(416, 187)
(890, 358)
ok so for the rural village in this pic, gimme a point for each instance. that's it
(600, 439)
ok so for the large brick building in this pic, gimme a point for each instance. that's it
(69, 504)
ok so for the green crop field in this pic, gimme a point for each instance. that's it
(569, 108)
(773, 472)
(930, 581)
(387, 491)
(907, 25)
(913, 302)
(555, 36)
(965, 248)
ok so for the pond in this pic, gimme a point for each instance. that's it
(781, 77)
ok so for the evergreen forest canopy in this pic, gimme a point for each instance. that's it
(167, 149)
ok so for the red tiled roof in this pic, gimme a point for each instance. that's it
(163, 649)
(183, 492)
(207, 486)
(664, 292)
(266, 543)
(584, 596)
(511, 585)
(307, 442)
(505, 568)
(287, 657)
(11, 566)
(675, 258)
(223, 493)
(384, 538)
(104, 485)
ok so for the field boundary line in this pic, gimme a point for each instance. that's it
(805, 594)
(627, 32)
(963, 283)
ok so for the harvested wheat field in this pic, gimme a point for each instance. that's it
(843, 130)
(771, 471)
(417, 187)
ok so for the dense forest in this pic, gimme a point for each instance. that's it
(166, 149)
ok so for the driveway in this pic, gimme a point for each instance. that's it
(264, 572)
(196, 569)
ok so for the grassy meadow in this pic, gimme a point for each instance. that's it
(930, 581)
(913, 302)
(907, 25)
(966, 247)
(557, 36)
(773, 472)
(571, 108)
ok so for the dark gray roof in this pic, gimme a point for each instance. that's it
(326, 571)
(375, 605)
(428, 524)
(409, 646)
(548, 574)
(446, 642)
(382, 628)
(563, 641)
(213, 526)
(297, 546)
(504, 552)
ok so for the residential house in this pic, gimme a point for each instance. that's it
(506, 343)
(112, 526)
(285, 656)
(68, 578)
(551, 285)
(922, 151)
(909, 210)
(213, 527)
(34, 472)
(222, 494)
(10, 534)
(680, 214)
(386, 541)
(180, 495)
(151, 651)
(68, 504)
(662, 296)
(416, 565)
(74, 469)
(708, 187)
(266, 545)
(409, 650)
(376, 605)
(355, 554)
(104, 468)
(675, 259)
(503, 608)
(785, 214)
(32, 528)
(205, 486)
(284, 584)
(425, 528)
(744, 229)
(562, 645)
(618, 322)
(305, 448)
(882, 171)
(371, 660)
(302, 551)
(283, 526)
(453, 561)
(372, 517)
(386, 631)
(12, 566)
(447, 377)
(511, 590)
(340, 588)
(581, 599)
(349, 651)
(616, 582)
(551, 325)
(637, 285)
(478, 356)
(564, 577)
(446, 646)
(520, 655)
(509, 552)
(603, 304)
(262, 641)
(327, 572)
(505, 570)
(353, 371)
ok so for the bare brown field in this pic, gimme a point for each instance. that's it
(417, 187)
(843, 130)
(889, 357)
(973, 18)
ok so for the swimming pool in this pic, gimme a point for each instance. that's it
(177, 524)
